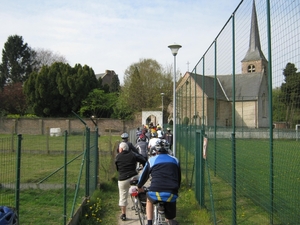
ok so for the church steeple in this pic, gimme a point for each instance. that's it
(254, 60)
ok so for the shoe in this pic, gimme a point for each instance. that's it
(123, 217)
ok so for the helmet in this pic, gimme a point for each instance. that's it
(166, 144)
(8, 216)
(124, 136)
(160, 146)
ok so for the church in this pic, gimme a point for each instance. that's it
(196, 96)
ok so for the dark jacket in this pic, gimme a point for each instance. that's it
(142, 147)
(126, 164)
(165, 174)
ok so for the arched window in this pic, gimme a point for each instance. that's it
(251, 68)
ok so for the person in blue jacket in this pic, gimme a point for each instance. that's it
(165, 181)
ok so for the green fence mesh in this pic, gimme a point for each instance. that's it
(54, 175)
(243, 95)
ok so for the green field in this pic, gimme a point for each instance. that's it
(252, 179)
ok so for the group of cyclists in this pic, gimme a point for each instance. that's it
(154, 145)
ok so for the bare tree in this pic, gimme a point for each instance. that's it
(45, 57)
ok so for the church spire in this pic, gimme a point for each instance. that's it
(254, 51)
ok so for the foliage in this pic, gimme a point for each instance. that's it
(291, 91)
(102, 207)
(17, 116)
(143, 84)
(17, 61)
(122, 110)
(279, 107)
(115, 84)
(13, 99)
(98, 104)
(57, 90)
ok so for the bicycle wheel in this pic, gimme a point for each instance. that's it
(141, 212)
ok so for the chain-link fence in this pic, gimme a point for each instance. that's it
(243, 97)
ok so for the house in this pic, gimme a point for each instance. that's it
(196, 92)
(107, 77)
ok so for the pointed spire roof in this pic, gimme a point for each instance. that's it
(254, 52)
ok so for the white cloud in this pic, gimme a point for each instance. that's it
(114, 34)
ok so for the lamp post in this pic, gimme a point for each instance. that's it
(162, 108)
(174, 49)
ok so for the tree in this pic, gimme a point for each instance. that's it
(98, 104)
(12, 99)
(17, 61)
(143, 84)
(279, 107)
(122, 110)
(291, 91)
(45, 57)
(59, 89)
(115, 84)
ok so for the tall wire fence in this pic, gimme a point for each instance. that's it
(246, 111)
(46, 178)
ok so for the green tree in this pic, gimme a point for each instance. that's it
(98, 104)
(59, 89)
(122, 110)
(291, 91)
(279, 108)
(115, 84)
(17, 61)
(143, 84)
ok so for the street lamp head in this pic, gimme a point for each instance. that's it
(174, 48)
(162, 94)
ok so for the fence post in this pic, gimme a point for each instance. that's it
(202, 168)
(65, 176)
(87, 163)
(97, 159)
(18, 168)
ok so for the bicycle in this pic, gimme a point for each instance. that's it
(139, 202)
(159, 214)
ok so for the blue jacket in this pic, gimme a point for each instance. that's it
(165, 174)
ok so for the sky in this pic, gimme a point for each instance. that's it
(114, 34)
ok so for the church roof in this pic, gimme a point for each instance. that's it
(246, 86)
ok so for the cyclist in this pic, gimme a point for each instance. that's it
(126, 162)
(169, 137)
(165, 182)
(152, 143)
(125, 137)
(142, 146)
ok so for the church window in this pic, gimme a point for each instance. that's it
(251, 68)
